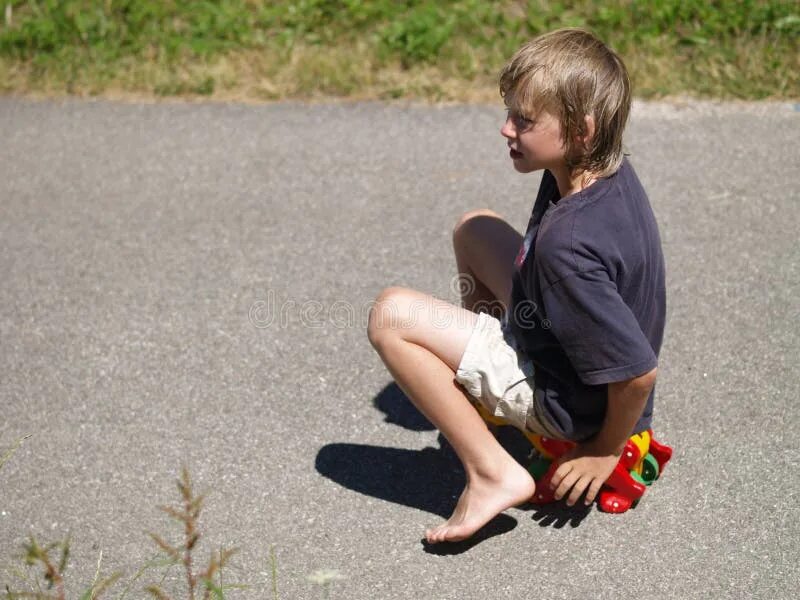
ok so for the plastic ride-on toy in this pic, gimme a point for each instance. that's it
(642, 462)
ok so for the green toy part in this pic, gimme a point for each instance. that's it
(650, 469)
(539, 467)
(637, 478)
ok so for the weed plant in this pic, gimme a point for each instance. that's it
(449, 49)
(206, 583)
(188, 514)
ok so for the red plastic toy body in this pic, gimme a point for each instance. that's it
(641, 463)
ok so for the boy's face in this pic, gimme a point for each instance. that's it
(535, 142)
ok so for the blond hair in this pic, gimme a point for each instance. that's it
(571, 74)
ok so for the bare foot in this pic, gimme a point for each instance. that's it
(483, 498)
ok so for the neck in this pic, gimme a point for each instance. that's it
(572, 183)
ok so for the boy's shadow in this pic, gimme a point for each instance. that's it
(558, 514)
(430, 479)
(399, 411)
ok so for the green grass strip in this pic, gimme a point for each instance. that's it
(745, 49)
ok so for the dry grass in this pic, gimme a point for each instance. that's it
(310, 73)
(256, 51)
(52, 560)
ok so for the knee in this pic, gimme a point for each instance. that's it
(384, 315)
(468, 220)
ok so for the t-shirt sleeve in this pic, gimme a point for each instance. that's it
(597, 330)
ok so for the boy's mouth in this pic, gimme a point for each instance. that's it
(514, 154)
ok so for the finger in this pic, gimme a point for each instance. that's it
(594, 489)
(577, 489)
(559, 475)
(566, 484)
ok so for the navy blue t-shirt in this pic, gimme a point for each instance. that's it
(588, 298)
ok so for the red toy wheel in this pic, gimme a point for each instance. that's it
(612, 502)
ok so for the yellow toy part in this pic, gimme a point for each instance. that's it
(642, 443)
(487, 416)
(536, 441)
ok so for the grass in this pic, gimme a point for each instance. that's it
(446, 50)
(202, 583)
(205, 583)
(10, 452)
(188, 513)
(52, 561)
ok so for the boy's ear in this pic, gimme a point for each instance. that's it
(587, 135)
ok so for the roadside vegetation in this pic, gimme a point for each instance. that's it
(39, 572)
(421, 49)
(44, 577)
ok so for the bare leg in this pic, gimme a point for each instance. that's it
(422, 359)
(485, 247)
(475, 296)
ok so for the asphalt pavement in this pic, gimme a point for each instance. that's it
(188, 284)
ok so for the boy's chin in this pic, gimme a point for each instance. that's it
(521, 167)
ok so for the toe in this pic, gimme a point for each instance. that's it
(455, 534)
(440, 535)
(430, 535)
(433, 534)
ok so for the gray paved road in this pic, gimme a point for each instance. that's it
(189, 284)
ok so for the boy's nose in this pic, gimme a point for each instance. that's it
(507, 130)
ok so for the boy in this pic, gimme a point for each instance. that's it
(582, 305)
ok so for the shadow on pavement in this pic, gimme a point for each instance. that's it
(558, 514)
(399, 410)
(501, 524)
(430, 479)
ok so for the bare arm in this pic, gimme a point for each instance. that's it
(589, 464)
(626, 401)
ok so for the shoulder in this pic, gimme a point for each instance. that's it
(617, 230)
(585, 232)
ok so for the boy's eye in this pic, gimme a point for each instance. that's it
(520, 123)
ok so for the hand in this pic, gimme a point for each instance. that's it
(582, 468)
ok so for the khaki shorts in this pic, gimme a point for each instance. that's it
(497, 376)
